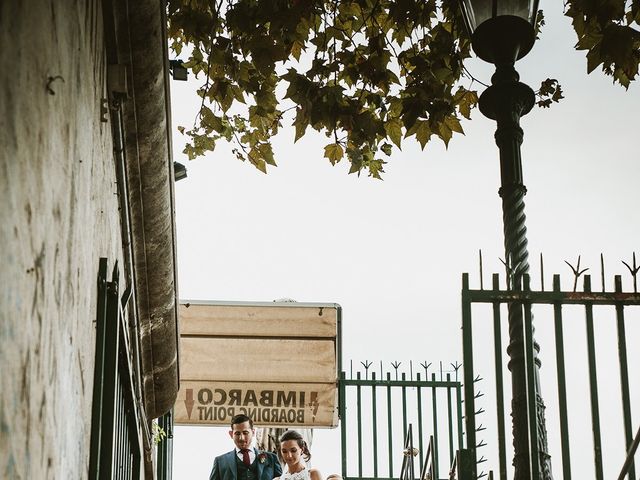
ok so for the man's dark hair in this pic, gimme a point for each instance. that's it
(241, 418)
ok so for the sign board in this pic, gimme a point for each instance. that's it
(277, 362)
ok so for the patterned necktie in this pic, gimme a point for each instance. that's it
(245, 457)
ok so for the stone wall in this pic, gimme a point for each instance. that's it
(59, 214)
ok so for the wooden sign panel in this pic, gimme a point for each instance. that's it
(276, 362)
(276, 404)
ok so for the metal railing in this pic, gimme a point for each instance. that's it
(116, 443)
(428, 471)
(165, 447)
(628, 463)
(375, 412)
(407, 469)
(558, 324)
(463, 466)
(460, 467)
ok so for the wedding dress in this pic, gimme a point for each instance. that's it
(301, 475)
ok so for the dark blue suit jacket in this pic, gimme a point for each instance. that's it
(224, 466)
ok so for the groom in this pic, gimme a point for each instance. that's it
(245, 462)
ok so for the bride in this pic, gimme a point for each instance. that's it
(295, 453)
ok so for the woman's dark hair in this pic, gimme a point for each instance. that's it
(293, 435)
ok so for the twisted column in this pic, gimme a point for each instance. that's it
(505, 101)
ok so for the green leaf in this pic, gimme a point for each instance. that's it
(593, 59)
(453, 123)
(355, 168)
(375, 167)
(549, 92)
(296, 49)
(260, 164)
(210, 120)
(350, 9)
(393, 128)
(256, 159)
(423, 132)
(333, 152)
(355, 157)
(301, 123)
(633, 15)
(466, 100)
(266, 152)
(445, 133)
(395, 107)
(238, 93)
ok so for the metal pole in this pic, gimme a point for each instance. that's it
(505, 101)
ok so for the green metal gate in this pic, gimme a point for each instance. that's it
(117, 422)
(378, 411)
(165, 447)
(586, 334)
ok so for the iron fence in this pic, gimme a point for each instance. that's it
(376, 411)
(407, 469)
(428, 471)
(460, 468)
(165, 447)
(585, 336)
(629, 461)
(116, 443)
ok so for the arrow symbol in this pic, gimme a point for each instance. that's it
(189, 402)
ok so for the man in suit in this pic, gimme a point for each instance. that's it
(245, 462)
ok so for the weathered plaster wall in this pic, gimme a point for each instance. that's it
(59, 214)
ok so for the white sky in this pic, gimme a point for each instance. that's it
(392, 252)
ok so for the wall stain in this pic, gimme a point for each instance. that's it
(53, 20)
(72, 220)
(10, 470)
(36, 350)
(27, 209)
(57, 292)
(53, 359)
(81, 372)
(43, 402)
(25, 385)
(38, 291)
(56, 212)
(42, 429)
(50, 81)
(25, 397)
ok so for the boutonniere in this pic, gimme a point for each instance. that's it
(262, 457)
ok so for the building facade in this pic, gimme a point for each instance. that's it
(86, 187)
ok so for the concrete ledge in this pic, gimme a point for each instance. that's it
(150, 176)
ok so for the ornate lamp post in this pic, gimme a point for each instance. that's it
(502, 31)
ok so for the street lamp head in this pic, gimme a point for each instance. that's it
(502, 31)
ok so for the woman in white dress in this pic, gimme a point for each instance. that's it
(295, 453)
